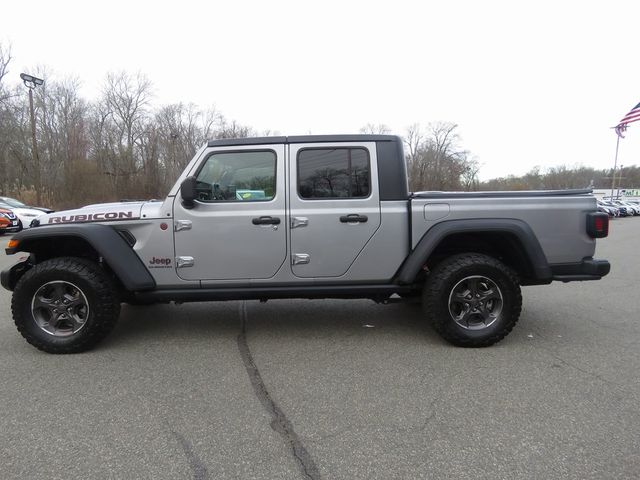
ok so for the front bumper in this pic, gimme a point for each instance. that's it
(588, 269)
(10, 276)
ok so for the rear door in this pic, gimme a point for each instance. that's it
(335, 206)
(237, 228)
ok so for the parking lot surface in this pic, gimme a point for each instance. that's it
(336, 390)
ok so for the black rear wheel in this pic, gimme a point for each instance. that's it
(65, 305)
(472, 300)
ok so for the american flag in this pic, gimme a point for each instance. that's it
(632, 116)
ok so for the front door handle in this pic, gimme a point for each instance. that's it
(265, 221)
(353, 218)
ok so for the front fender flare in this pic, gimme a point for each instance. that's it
(109, 244)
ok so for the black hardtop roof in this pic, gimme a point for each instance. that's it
(303, 139)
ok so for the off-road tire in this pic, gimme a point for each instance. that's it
(440, 285)
(96, 286)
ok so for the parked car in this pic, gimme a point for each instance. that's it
(9, 222)
(611, 206)
(628, 208)
(622, 210)
(635, 209)
(609, 210)
(25, 214)
(315, 216)
(15, 203)
(633, 203)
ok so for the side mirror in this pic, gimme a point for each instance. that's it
(188, 192)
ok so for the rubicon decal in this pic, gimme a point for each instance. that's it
(92, 217)
(156, 262)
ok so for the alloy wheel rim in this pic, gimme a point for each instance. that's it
(475, 302)
(60, 308)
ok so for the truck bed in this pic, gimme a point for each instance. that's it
(557, 217)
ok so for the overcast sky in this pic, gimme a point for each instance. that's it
(528, 82)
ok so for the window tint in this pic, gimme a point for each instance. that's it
(237, 176)
(333, 173)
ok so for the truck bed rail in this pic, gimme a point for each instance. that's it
(502, 194)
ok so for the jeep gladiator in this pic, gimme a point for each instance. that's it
(325, 216)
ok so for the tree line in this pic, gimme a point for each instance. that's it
(118, 146)
(123, 146)
(566, 177)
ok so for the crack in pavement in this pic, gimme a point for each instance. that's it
(279, 421)
(410, 429)
(199, 470)
(570, 364)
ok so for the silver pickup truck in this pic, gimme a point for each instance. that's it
(301, 217)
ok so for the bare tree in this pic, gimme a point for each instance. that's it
(379, 129)
(435, 160)
(5, 60)
(125, 104)
(413, 139)
(470, 175)
(233, 129)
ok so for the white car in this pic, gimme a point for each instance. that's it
(633, 205)
(25, 214)
(633, 209)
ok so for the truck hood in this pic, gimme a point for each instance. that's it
(27, 211)
(100, 212)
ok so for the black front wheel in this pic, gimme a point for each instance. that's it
(472, 300)
(65, 305)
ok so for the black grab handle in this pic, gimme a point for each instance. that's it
(265, 221)
(353, 218)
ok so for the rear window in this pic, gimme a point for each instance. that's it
(333, 173)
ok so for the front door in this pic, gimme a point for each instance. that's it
(236, 230)
(335, 206)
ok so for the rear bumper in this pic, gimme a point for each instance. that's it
(588, 269)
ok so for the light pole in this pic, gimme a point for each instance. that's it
(620, 177)
(615, 164)
(31, 83)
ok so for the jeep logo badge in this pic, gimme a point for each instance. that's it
(156, 262)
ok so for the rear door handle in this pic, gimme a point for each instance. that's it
(353, 218)
(265, 221)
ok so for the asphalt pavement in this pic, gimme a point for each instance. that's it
(333, 389)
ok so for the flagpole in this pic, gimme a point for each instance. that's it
(615, 165)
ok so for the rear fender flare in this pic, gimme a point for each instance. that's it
(435, 235)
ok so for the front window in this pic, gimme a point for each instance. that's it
(237, 177)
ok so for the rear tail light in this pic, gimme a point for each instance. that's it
(597, 224)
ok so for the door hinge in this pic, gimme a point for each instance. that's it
(182, 225)
(182, 262)
(300, 258)
(299, 222)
